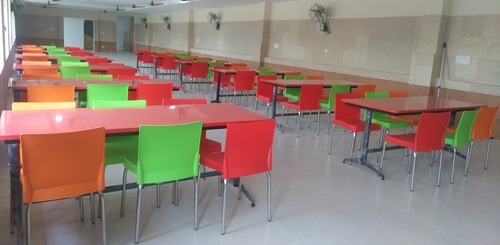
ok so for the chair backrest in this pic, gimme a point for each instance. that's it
(75, 63)
(108, 104)
(248, 148)
(344, 111)
(115, 71)
(35, 57)
(62, 165)
(168, 62)
(132, 77)
(101, 77)
(376, 95)
(264, 89)
(36, 63)
(292, 73)
(199, 69)
(73, 71)
(244, 79)
(195, 101)
(41, 70)
(96, 60)
(398, 93)
(337, 88)
(62, 59)
(41, 76)
(294, 77)
(154, 93)
(483, 126)
(80, 53)
(168, 152)
(33, 106)
(315, 77)
(224, 78)
(431, 131)
(51, 93)
(106, 92)
(266, 72)
(310, 96)
(363, 88)
(464, 128)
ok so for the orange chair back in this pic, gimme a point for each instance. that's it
(41, 76)
(154, 93)
(168, 63)
(41, 70)
(310, 96)
(51, 93)
(431, 131)
(398, 93)
(362, 89)
(315, 77)
(33, 50)
(235, 66)
(292, 73)
(343, 111)
(483, 126)
(36, 63)
(248, 148)
(62, 165)
(35, 57)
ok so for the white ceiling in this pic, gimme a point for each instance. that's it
(143, 6)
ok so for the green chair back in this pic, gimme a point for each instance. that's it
(61, 59)
(292, 93)
(377, 95)
(102, 77)
(74, 63)
(73, 71)
(337, 88)
(107, 104)
(263, 68)
(266, 72)
(462, 135)
(167, 152)
(382, 118)
(106, 92)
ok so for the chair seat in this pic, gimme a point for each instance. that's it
(213, 160)
(208, 146)
(387, 122)
(116, 146)
(405, 140)
(355, 125)
(279, 98)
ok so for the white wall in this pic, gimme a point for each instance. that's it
(73, 32)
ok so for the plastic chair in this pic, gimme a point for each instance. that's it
(146, 60)
(108, 104)
(225, 79)
(244, 81)
(265, 92)
(80, 53)
(309, 100)
(315, 77)
(40, 70)
(96, 60)
(266, 72)
(248, 151)
(210, 73)
(115, 71)
(106, 92)
(483, 129)
(363, 88)
(154, 93)
(166, 153)
(411, 119)
(348, 117)
(40, 76)
(461, 137)
(292, 93)
(62, 59)
(35, 57)
(35, 63)
(132, 77)
(329, 104)
(429, 137)
(199, 72)
(71, 71)
(51, 93)
(94, 77)
(168, 65)
(31, 106)
(62, 165)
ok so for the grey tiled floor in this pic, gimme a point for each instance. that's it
(316, 200)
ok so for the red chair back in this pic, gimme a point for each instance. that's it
(115, 71)
(248, 148)
(224, 78)
(310, 96)
(132, 77)
(431, 131)
(264, 89)
(199, 70)
(244, 79)
(96, 60)
(154, 93)
(344, 111)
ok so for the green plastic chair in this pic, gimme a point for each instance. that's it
(292, 93)
(49, 46)
(61, 59)
(106, 104)
(329, 104)
(266, 72)
(383, 119)
(262, 68)
(55, 51)
(102, 77)
(166, 153)
(74, 63)
(461, 137)
(70, 69)
(106, 92)
(210, 65)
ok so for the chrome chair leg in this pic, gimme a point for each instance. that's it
(413, 170)
(453, 165)
(383, 156)
(196, 194)
(467, 159)
(222, 230)
(158, 196)
(440, 164)
(331, 140)
(239, 188)
(92, 209)
(138, 213)
(103, 216)
(124, 191)
(268, 196)
(82, 212)
(28, 223)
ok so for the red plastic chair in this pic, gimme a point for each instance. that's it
(244, 81)
(97, 60)
(248, 151)
(154, 93)
(198, 72)
(483, 129)
(115, 71)
(168, 65)
(309, 100)
(225, 79)
(146, 59)
(265, 92)
(132, 95)
(429, 137)
(348, 117)
(80, 53)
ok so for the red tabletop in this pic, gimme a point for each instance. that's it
(93, 68)
(125, 120)
(232, 71)
(21, 84)
(298, 83)
(413, 105)
(20, 56)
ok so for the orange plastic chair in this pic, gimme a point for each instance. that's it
(154, 93)
(348, 117)
(309, 100)
(33, 50)
(62, 165)
(483, 129)
(35, 57)
(429, 137)
(411, 119)
(362, 89)
(248, 151)
(36, 63)
(244, 81)
(292, 73)
(41, 70)
(51, 93)
(41, 76)
(265, 92)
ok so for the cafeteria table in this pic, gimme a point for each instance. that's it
(102, 69)
(400, 106)
(116, 122)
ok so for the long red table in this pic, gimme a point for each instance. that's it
(116, 121)
(401, 106)
(103, 69)
(19, 85)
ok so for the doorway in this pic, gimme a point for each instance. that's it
(79, 33)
